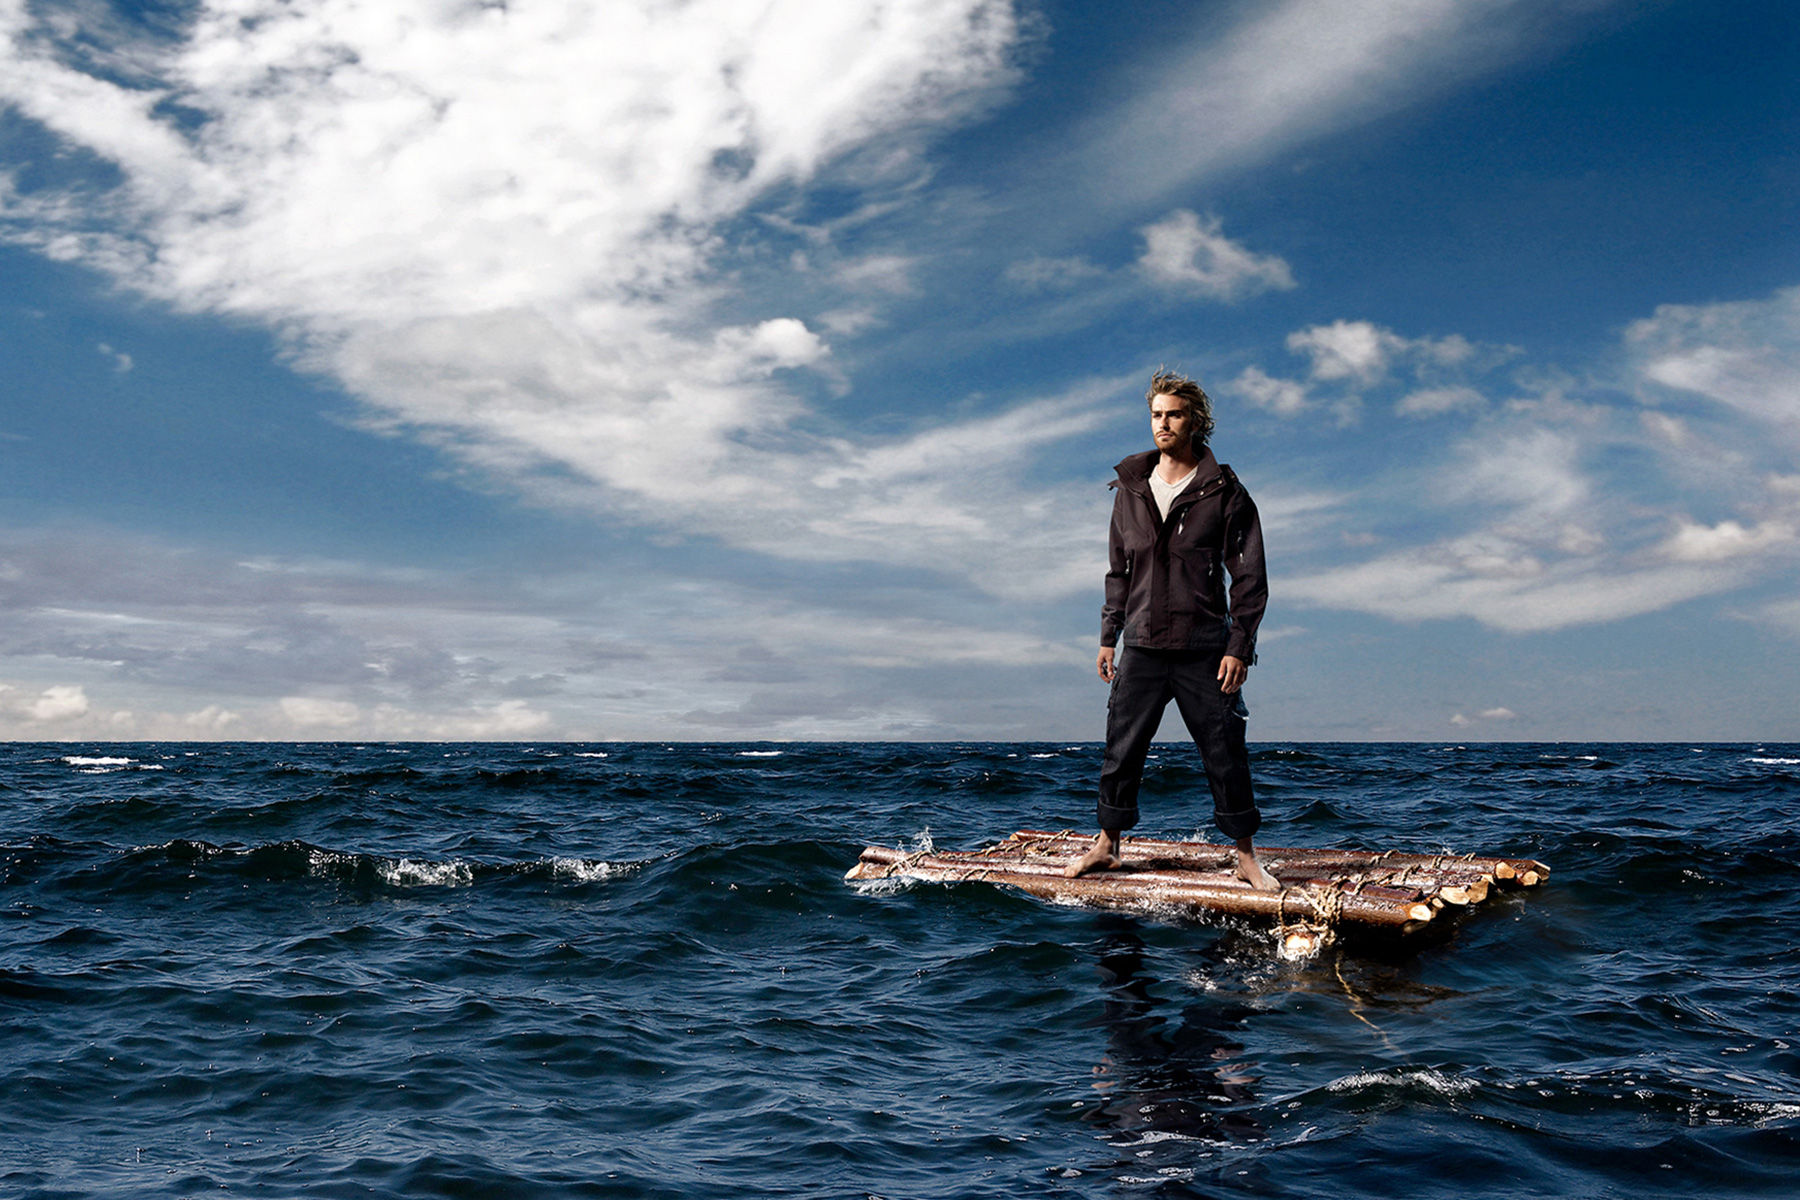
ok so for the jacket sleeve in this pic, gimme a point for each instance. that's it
(1249, 582)
(1118, 579)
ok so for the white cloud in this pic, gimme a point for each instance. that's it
(1493, 714)
(1283, 397)
(1354, 350)
(58, 702)
(211, 720)
(1362, 354)
(507, 719)
(1744, 354)
(1692, 542)
(509, 228)
(1191, 254)
(309, 712)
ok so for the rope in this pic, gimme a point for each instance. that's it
(1327, 906)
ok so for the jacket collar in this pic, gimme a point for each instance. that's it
(1134, 471)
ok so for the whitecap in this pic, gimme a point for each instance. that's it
(78, 760)
(581, 870)
(1776, 762)
(1425, 1077)
(408, 873)
(760, 753)
(591, 754)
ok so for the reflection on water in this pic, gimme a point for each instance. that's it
(1168, 1074)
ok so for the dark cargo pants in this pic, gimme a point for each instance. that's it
(1144, 681)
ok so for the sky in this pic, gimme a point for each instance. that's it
(736, 370)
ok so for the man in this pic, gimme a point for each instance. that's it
(1180, 521)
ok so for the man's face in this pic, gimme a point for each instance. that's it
(1171, 424)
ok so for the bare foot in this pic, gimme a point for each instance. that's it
(1103, 855)
(1252, 872)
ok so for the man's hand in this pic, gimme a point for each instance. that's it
(1232, 673)
(1104, 664)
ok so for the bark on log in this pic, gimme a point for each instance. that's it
(1131, 888)
(1452, 868)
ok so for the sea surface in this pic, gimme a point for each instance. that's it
(636, 970)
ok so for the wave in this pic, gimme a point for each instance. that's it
(184, 864)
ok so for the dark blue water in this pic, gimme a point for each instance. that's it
(322, 970)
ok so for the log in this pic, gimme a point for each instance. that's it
(1456, 868)
(1132, 888)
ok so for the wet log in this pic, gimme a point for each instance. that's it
(1455, 869)
(1134, 887)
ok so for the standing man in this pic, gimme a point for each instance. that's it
(1180, 522)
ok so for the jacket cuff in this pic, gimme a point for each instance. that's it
(1241, 648)
(1109, 637)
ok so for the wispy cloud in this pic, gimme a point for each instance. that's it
(1566, 509)
(1293, 70)
(1189, 253)
(1744, 355)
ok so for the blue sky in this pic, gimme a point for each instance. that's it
(731, 370)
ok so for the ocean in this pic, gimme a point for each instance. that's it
(551, 970)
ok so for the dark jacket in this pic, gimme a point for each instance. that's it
(1165, 585)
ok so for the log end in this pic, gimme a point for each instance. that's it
(1421, 913)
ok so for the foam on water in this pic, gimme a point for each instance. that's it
(407, 873)
(582, 870)
(1426, 1078)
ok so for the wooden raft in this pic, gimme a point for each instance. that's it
(1320, 888)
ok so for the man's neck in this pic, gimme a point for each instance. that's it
(1176, 465)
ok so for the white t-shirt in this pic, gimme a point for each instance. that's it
(1165, 493)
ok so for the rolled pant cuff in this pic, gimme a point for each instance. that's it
(1115, 820)
(1235, 825)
